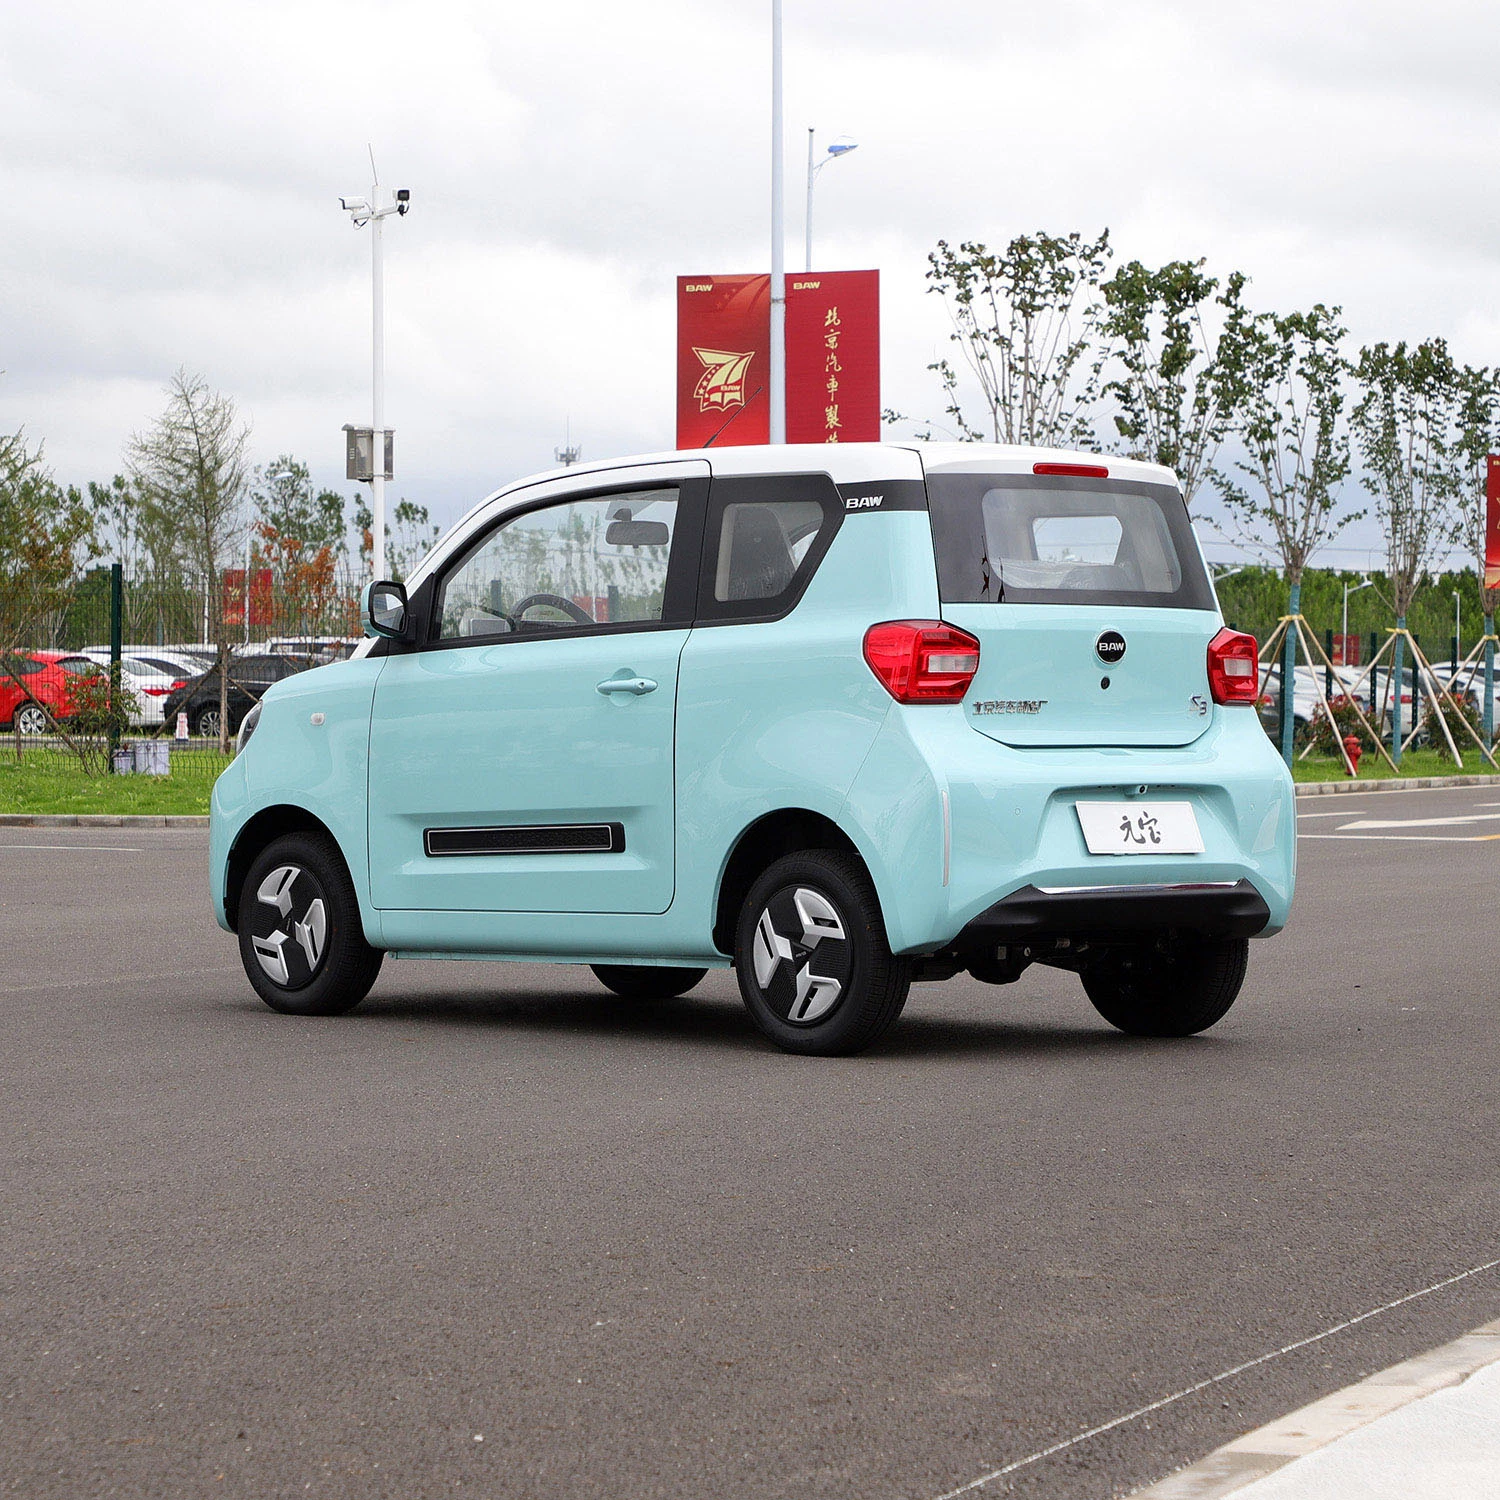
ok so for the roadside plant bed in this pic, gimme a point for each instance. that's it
(52, 781)
(1372, 767)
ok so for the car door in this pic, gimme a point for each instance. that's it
(521, 754)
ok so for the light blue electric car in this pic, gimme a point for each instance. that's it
(839, 717)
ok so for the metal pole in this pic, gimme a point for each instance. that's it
(1397, 662)
(1289, 680)
(808, 222)
(377, 441)
(116, 635)
(777, 419)
(1489, 679)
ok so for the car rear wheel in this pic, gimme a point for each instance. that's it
(1178, 990)
(301, 942)
(815, 968)
(206, 725)
(646, 982)
(31, 718)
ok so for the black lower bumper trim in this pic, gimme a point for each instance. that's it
(1105, 912)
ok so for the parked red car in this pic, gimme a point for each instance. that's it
(36, 683)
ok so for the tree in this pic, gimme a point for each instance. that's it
(285, 500)
(190, 466)
(1024, 321)
(1420, 419)
(1179, 384)
(1289, 419)
(406, 543)
(46, 534)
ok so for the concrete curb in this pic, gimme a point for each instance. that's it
(1278, 1443)
(99, 820)
(1391, 784)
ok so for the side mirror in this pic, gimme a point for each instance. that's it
(383, 610)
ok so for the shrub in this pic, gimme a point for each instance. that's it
(1328, 735)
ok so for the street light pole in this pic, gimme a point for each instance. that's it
(838, 149)
(1344, 639)
(777, 416)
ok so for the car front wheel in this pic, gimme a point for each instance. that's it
(301, 941)
(31, 718)
(1173, 990)
(815, 969)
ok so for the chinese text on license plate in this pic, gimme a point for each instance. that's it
(1140, 827)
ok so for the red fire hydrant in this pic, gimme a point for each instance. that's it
(1353, 749)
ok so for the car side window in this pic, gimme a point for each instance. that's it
(765, 539)
(579, 565)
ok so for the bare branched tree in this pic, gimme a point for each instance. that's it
(191, 469)
(1024, 322)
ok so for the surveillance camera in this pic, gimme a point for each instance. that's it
(403, 195)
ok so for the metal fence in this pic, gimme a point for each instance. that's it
(134, 677)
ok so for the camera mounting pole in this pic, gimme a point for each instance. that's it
(370, 211)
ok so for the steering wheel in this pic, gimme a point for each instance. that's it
(555, 601)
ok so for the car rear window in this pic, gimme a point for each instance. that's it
(1025, 539)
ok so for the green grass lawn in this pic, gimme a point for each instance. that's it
(1373, 767)
(44, 780)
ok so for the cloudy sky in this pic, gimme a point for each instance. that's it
(171, 174)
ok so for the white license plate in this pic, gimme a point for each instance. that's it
(1140, 827)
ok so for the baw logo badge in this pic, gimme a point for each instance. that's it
(722, 383)
(1110, 647)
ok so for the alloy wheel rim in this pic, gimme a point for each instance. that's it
(289, 927)
(31, 720)
(801, 956)
(208, 724)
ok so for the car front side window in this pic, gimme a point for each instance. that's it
(593, 563)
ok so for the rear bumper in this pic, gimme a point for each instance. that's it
(1220, 909)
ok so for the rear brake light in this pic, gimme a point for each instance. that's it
(156, 692)
(1077, 471)
(1233, 667)
(922, 661)
(180, 683)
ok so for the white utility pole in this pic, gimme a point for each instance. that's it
(777, 425)
(370, 212)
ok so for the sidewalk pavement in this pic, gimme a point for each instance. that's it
(1426, 1429)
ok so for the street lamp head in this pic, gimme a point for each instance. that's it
(840, 148)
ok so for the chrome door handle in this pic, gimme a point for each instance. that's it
(634, 685)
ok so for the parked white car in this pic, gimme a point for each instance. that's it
(150, 673)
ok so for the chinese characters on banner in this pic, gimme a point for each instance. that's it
(832, 359)
(259, 597)
(1492, 521)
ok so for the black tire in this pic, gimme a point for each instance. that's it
(818, 911)
(646, 982)
(315, 964)
(31, 719)
(1177, 992)
(206, 723)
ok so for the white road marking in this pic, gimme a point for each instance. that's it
(1203, 1385)
(1419, 822)
(1408, 838)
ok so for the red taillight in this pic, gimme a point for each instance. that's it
(1077, 471)
(156, 692)
(180, 683)
(922, 661)
(1233, 667)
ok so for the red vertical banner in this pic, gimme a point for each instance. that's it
(723, 360)
(1492, 521)
(833, 357)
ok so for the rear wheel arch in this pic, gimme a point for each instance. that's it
(790, 830)
(269, 823)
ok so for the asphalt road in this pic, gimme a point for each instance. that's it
(497, 1233)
